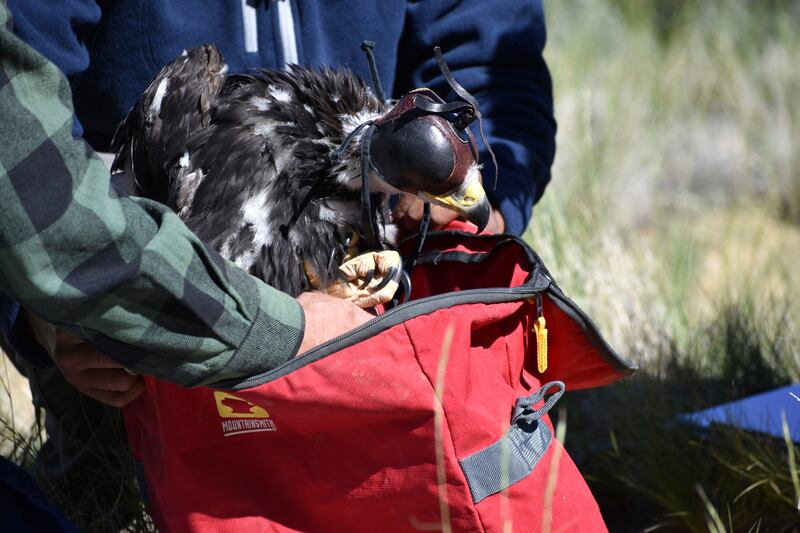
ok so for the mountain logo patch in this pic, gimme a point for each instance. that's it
(240, 416)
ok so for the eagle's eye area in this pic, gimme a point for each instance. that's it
(414, 149)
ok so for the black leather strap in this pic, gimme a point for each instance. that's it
(435, 108)
(367, 212)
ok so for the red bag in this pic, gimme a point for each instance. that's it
(353, 435)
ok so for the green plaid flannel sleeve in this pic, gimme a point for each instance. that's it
(125, 273)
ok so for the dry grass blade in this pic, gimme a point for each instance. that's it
(552, 478)
(505, 507)
(715, 524)
(438, 422)
(793, 471)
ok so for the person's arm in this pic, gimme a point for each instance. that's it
(58, 32)
(125, 273)
(494, 50)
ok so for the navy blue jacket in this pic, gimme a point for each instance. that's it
(110, 50)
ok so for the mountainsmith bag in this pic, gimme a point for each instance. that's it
(430, 417)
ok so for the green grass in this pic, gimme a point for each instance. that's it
(673, 218)
(645, 466)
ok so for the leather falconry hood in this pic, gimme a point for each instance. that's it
(417, 150)
(423, 145)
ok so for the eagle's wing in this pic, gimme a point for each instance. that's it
(151, 142)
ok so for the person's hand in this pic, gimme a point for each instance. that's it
(88, 370)
(409, 209)
(497, 224)
(327, 317)
(93, 373)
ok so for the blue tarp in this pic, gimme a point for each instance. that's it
(761, 413)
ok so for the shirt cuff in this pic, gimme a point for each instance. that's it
(273, 339)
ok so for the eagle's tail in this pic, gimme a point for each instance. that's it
(151, 143)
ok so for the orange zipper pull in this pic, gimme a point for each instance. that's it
(540, 329)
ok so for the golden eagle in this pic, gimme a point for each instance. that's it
(287, 173)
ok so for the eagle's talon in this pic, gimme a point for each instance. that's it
(390, 276)
(368, 279)
(370, 275)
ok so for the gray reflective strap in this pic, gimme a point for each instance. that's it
(515, 455)
(506, 461)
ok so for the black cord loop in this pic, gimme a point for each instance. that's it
(368, 46)
(466, 118)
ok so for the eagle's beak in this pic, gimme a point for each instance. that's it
(469, 201)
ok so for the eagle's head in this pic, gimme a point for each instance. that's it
(421, 145)
(417, 150)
